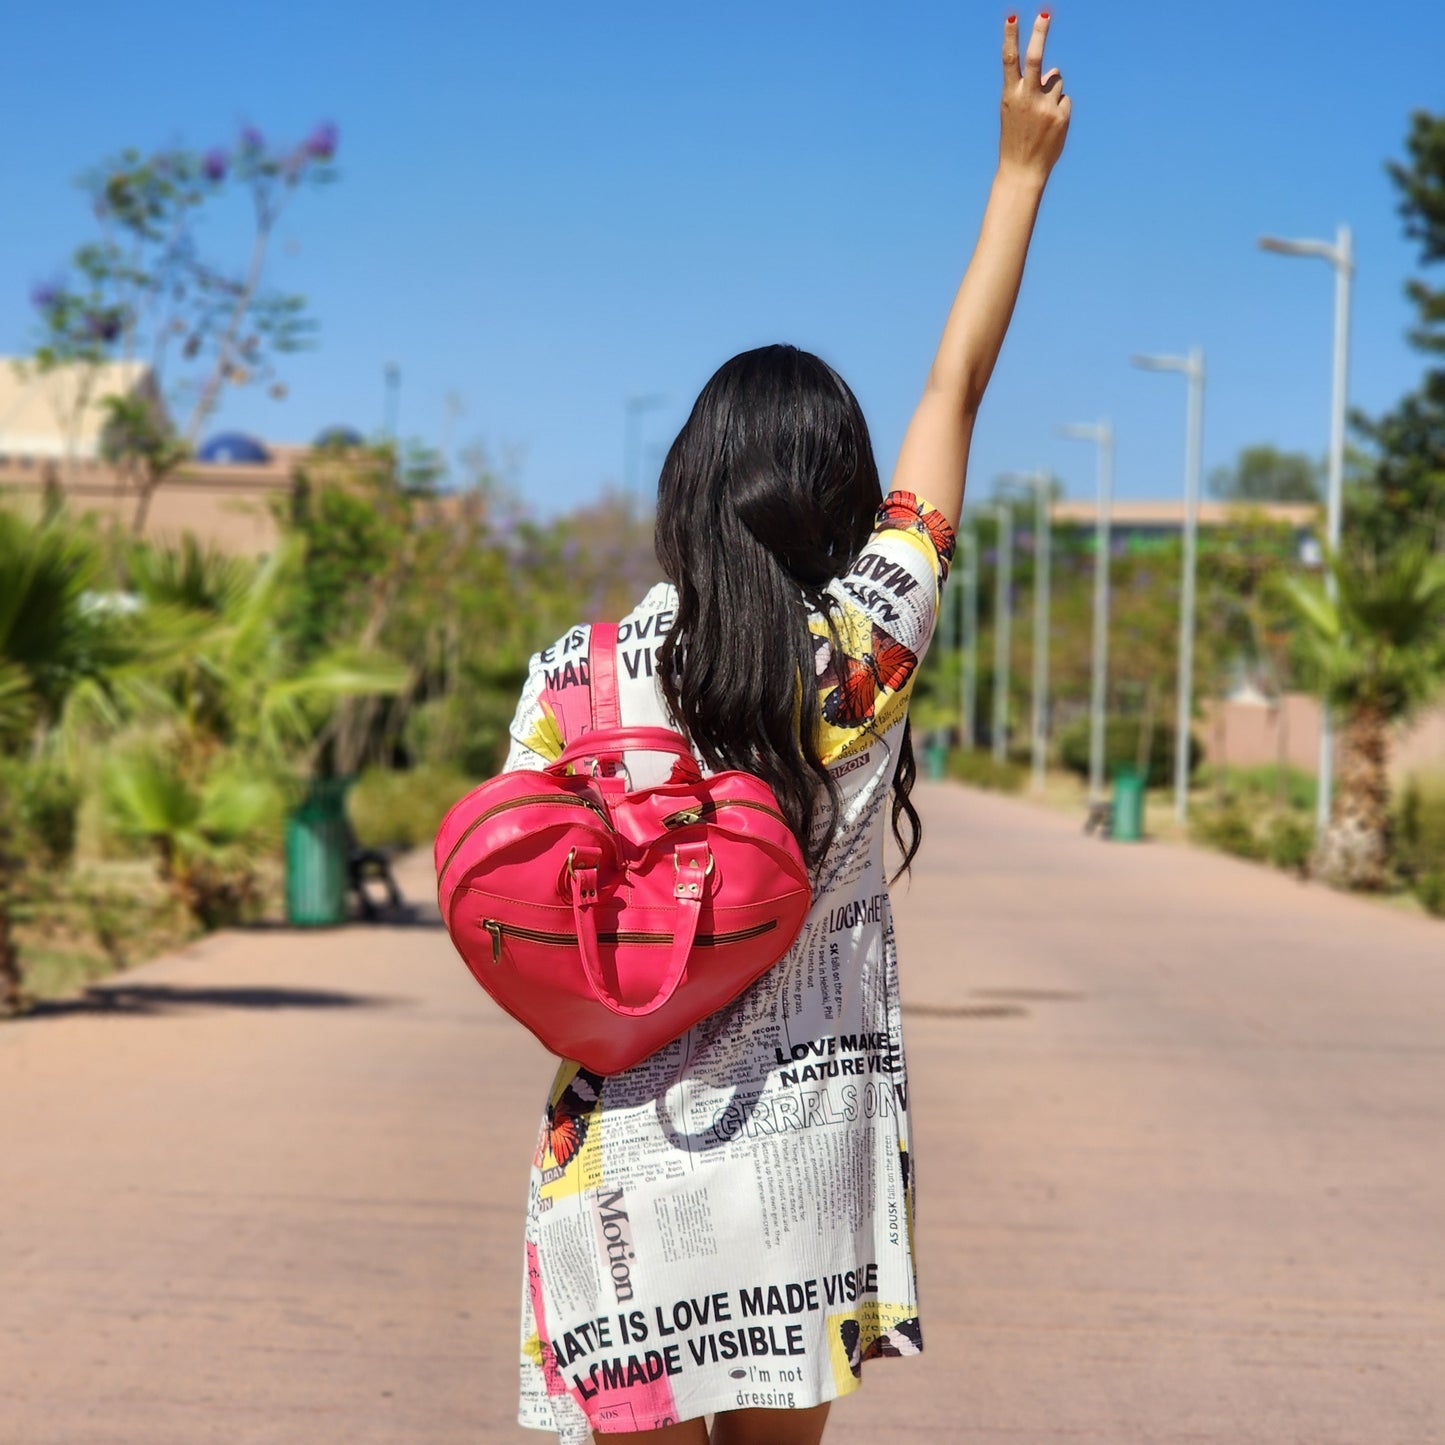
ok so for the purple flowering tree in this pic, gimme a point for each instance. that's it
(145, 290)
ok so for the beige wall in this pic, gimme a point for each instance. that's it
(1246, 734)
(228, 506)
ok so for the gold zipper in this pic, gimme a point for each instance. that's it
(499, 930)
(687, 816)
(571, 802)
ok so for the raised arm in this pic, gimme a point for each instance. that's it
(933, 460)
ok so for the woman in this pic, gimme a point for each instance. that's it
(726, 1229)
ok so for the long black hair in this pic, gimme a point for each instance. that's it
(766, 496)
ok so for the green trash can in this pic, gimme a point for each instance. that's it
(935, 757)
(1127, 813)
(317, 853)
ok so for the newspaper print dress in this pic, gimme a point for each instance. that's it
(729, 1223)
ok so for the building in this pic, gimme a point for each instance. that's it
(52, 450)
(1139, 526)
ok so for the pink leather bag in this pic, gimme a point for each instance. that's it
(608, 921)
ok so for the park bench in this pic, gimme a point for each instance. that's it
(366, 865)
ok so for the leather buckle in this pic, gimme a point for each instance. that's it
(682, 889)
(583, 880)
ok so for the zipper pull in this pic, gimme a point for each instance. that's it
(684, 818)
(495, 929)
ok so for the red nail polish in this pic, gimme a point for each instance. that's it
(1043, 14)
(1013, 19)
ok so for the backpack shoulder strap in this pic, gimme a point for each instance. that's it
(602, 676)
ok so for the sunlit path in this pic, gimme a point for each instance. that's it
(1179, 1124)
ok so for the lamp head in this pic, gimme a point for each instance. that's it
(1282, 247)
(1160, 363)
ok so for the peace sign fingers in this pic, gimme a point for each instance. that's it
(1035, 111)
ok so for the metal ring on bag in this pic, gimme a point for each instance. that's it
(711, 863)
(569, 875)
(622, 767)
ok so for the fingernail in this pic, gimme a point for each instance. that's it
(1013, 19)
(1043, 14)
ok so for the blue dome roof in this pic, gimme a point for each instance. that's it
(233, 446)
(339, 436)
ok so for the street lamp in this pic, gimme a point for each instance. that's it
(968, 604)
(1042, 485)
(392, 376)
(1342, 257)
(633, 409)
(1002, 617)
(1102, 435)
(1192, 367)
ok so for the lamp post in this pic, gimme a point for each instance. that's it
(1102, 435)
(633, 409)
(968, 603)
(1041, 485)
(1341, 256)
(1003, 583)
(1192, 367)
(392, 378)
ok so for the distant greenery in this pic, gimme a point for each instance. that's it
(1269, 782)
(1263, 473)
(982, 770)
(1402, 493)
(404, 808)
(177, 701)
(1125, 744)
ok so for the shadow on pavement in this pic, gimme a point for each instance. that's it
(160, 998)
(409, 915)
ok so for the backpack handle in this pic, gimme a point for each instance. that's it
(611, 743)
(692, 865)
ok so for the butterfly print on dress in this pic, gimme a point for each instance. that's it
(565, 1129)
(905, 1338)
(858, 681)
(903, 512)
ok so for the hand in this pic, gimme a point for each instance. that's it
(1034, 118)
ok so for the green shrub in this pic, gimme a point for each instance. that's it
(1229, 829)
(1419, 826)
(405, 808)
(466, 731)
(972, 765)
(1263, 783)
(1289, 843)
(1121, 746)
(1430, 890)
(43, 800)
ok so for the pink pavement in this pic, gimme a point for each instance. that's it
(1178, 1120)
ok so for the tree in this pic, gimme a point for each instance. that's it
(1376, 653)
(144, 290)
(1263, 473)
(1405, 493)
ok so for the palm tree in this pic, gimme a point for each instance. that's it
(233, 719)
(236, 681)
(50, 639)
(207, 830)
(1377, 652)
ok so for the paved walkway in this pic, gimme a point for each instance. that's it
(1181, 1157)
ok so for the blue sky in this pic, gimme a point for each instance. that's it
(544, 209)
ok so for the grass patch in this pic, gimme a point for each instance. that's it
(92, 922)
